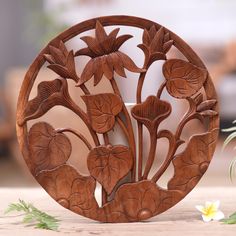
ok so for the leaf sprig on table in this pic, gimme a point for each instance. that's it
(230, 220)
(32, 215)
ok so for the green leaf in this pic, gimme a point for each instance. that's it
(230, 220)
(40, 219)
(233, 215)
(28, 219)
(231, 129)
(228, 140)
(231, 168)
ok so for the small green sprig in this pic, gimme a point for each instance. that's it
(40, 219)
(230, 220)
(228, 140)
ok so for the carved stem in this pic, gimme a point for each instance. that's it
(129, 127)
(160, 90)
(174, 140)
(106, 138)
(123, 127)
(104, 193)
(140, 126)
(189, 115)
(84, 89)
(76, 109)
(173, 145)
(152, 152)
(79, 135)
(140, 150)
(182, 124)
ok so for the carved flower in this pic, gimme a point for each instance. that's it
(62, 61)
(156, 43)
(151, 112)
(50, 94)
(105, 56)
(183, 79)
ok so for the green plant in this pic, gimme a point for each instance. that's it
(40, 219)
(230, 220)
(228, 140)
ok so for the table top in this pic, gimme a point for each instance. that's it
(182, 219)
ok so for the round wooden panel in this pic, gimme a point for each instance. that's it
(129, 191)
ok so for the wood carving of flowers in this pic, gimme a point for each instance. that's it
(62, 61)
(105, 56)
(156, 43)
(49, 94)
(151, 112)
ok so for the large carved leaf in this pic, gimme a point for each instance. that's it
(102, 109)
(192, 163)
(50, 94)
(139, 201)
(70, 189)
(48, 149)
(108, 164)
(183, 78)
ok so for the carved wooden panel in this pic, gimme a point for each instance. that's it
(130, 192)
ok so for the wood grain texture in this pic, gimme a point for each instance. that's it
(129, 192)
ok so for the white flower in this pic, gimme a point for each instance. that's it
(211, 211)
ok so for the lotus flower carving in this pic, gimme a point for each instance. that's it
(106, 58)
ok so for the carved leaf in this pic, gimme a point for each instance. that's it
(48, 149)
(139, 201)
(192, 163)
(50, 94)
(70, 189)
(208, 113)
(206, 105)
(109, 164)
(143, 195)
(102, 109)
(183, 78)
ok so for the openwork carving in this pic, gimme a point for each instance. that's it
(130, 192)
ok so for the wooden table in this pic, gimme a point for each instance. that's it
(182, 219)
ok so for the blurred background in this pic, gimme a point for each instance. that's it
(26, 26)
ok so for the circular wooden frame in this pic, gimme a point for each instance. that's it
(46, 150)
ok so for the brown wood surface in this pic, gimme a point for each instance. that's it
(127, 196)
